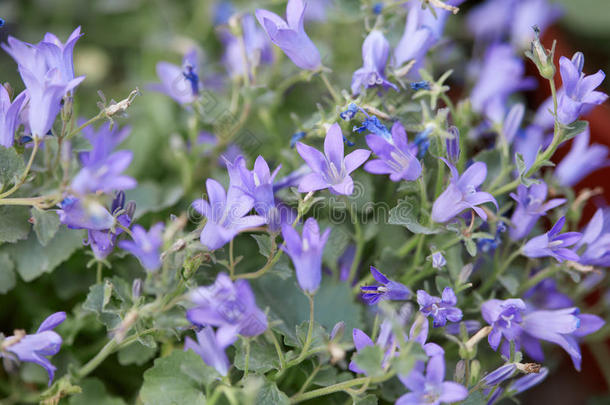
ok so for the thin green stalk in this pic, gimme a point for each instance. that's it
(339, 387)
(407, 247)
(538, 277)
(26, 171)
(92, 364)
(278, 349)
(488, 284)
(330, 88)
(98, 273)
(247, 365)
(309, 334)
(85, 125)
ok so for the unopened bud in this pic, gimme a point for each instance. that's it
(475, 372)
(460, 372)
(542, 58)
(136, 288)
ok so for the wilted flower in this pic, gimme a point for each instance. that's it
(396, 155)
(331, 169)
(84, 213)
(225, 213)
(388, 290)
(581, 160)
(181, 83)
(229, 306)
(462, 193)
(531, 206)
(578, 93)
(375, 51)
(146, 245)
(9, 116)
(306, 253)
(211, 347)
(290, 34)
(37, 347)
(500, 374)
(553, 244)
(438, 260)
(440, 309)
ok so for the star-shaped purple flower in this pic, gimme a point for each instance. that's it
(211, 347)
(375, 51)
(441, 309)
(331, 169)
(531, 206)
(387, 290)
(553, 244)
(396, 156)
(146, 246)
(462, 194)
(225, 213)
(181, 83)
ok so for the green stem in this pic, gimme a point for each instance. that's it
(358, 238)
(247, 365)
(92, 364)
(26, 171)
(488, 284)
(538, 277)
(309, 379)
(330, 88)
(278, 349)
(407, 247)
(309, 334)
(338, 387)
(85, 125)
(98, 273)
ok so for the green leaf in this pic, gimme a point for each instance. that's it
(264, 244)
(271, 394)
(94, 392)
(369, 359)
(510, 283)
(135, 353)
(406, 359)
(441, 282)
(493, 160)
(575, 128)
(32, 259)
(7, 273)
(319, 336)
(476, 398)
(367, 400)
(167, 383)
(106, 302)
(263, 356)
(11, 167)
(471, 247)
(153, 197)
(334, 302)
(408, 214)
(46, 225)
(14, 223)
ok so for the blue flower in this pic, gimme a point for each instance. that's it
(440, 309)
(531, 206)
(387, 290)
(9, 116)
(181, 83)
(375, 51)
(146, 246)
(553, 244)
(211, 347)
(582, 160)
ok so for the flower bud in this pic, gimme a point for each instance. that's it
(542, 58)
(136, 288)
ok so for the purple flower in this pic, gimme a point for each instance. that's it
(258, 48)
(531, 205)
(37, 347)
(553, 244)
(499, 375)
(501, 74)
(84, 213)
(103, 141)
(290, 34)
(396, 155)
(9, 115)
(211, 347)
(527, 143)
(375, 51)
(385, 340)
(545, 295)
(345, 263)
(596, 239)
(431, 389)
(578, 95)
(526, 382)
(229, 306)
(388, 290)
(258, 185)
(180, 82)
(102, 169)
(440, 309)
(490, 20)
(462, 193)
(530, 13)
(512, 121)
(453, 145)
(146, 245)
(306, 253)
(581, 160)
(438, 260)
(510, 320)
(331, 169)
(225, 213)
(102, 241)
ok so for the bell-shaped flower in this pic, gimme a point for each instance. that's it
(375, 51)
(84, 213)
(306, 253)
(578, 94)
(385, 340)
(146, 246)
(387, 290)
(553, 244)
(37, 347)
(596, 240)
(462, 194)
(9, 116)
(211, 347)
(225, 214)
(530, 207)
(229, 306)
(102, 242)
(290, 34)
(582, 160)
(181, 83)
(396, 156)
(331, 169)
